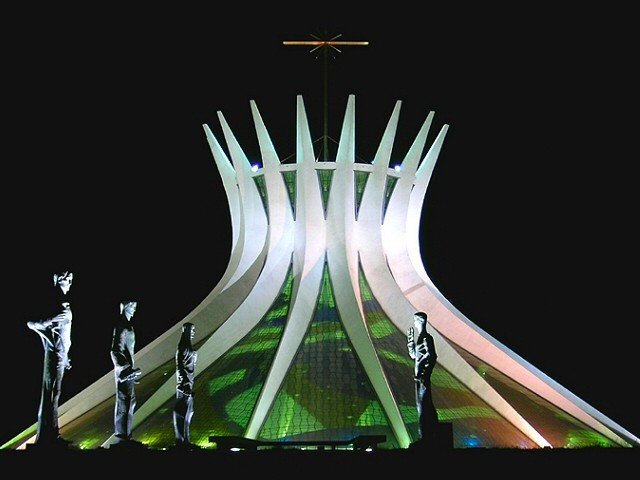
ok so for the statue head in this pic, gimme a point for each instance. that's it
(188, 330)
(63, 280)
(128, 308)
(420, 321)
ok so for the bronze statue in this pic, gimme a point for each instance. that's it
(55, 332)
(126, 375)
(422, 349)
(186, 358)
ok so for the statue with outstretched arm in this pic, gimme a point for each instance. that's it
(55, 332)
(125, 374)
(423, 351)
(186, 358)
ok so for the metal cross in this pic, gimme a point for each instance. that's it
(326, 46)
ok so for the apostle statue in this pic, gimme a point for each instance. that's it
(54, 330)
(423, 351)
(186, 358)
(126, 375)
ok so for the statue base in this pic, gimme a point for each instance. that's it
(57, 444)
(440, 438)
(128, 444)
(185, 447)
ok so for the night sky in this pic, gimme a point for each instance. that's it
(529, 222)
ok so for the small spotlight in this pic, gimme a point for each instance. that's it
(254, 167)
(397, 168)
(368, 449)
(234, 449)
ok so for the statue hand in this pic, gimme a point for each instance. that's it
(186, 390)
(129, 374)
(39, 325)
(63, 318)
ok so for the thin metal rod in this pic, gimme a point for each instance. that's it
(331, 43)
(325, 139)
(323, 42)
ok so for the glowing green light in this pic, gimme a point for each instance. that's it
(202, 440)
(149, 438)
(268, 331)
(409, 413)
(447, 414)
(322, 336)
(326, 300)
(21, 437)
(218, 383)
(441, 378)
(277, 313)
(89, 443)
(237, 407)
(586, 438)
(253, 347)
(373, 415)
(403, 360)
(287, 418)
(381, 328)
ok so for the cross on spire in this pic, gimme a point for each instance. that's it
(326, 45)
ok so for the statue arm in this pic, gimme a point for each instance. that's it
(119, 359)
(123, 367)
(184, 387)
(39, 324)
(186, 359)
(432, 355)
(67, 358)
(185, 362)
(62, 318)
(411, 343)
(428, 359)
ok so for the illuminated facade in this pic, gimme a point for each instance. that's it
(304, 336)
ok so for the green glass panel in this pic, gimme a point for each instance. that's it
(373, 415)
(262, 189)
(290, 182)
(324, 178)
(224, 381)
(388, 190)
(287, 411)
(236, 408)
(326, 394)
(360, 181)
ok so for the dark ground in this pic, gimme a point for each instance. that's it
(297, 463)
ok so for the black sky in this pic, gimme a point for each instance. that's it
(529, 222)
